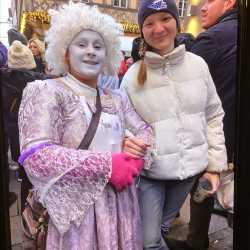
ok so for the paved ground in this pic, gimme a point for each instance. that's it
(221, 236)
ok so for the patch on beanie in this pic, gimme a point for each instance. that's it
(158, 5)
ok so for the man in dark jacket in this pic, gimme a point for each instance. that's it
(218, 47)
(185, 38)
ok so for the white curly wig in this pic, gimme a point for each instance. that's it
(70, 20)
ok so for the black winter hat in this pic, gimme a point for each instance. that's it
(14, 34)
(149, 7)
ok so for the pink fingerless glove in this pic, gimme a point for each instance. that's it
(124, 169)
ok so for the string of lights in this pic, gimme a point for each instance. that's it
(44, 17)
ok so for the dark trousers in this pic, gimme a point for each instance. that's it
(200, 217)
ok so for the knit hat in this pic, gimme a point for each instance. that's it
(149, 7)
(14, 34)
(20, 56)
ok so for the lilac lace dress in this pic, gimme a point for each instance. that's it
(86, 213)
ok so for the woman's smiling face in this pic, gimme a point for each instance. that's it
(159, 31)
(86, 56)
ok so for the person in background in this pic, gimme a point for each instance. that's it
(123, 67)
(38, 49)
(187, 39)
(3, 60)
(14, 35)
(217, 45)
(129, 61)
(173, 91)
(135, 49)
(89, 193)
(19, 71)
(3, 54)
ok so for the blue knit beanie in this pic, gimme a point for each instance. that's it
(149, 7)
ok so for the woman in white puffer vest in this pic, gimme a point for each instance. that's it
(173, 91)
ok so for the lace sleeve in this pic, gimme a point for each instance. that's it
(68, 181)
(138, 127)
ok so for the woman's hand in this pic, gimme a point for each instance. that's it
(214, 179)
(134, 147)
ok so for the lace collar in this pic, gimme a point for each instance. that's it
(81, 89)
(155, 61)
(78, 87)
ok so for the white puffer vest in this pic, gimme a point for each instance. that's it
(180, 102)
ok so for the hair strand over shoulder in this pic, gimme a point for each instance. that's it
(142, 73)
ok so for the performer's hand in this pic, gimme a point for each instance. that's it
(134, 147)
(214, 179)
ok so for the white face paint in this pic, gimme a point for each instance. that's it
(87, 54)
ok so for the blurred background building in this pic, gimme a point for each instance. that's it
(5, 22)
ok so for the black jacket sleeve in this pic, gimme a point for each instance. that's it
(205, 46)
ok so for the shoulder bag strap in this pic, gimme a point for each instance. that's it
(89, 135)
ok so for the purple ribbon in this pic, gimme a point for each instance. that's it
(31, 151)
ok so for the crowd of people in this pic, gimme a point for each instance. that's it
(18, 67)
(110, 145)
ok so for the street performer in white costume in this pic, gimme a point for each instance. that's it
(89, 194)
